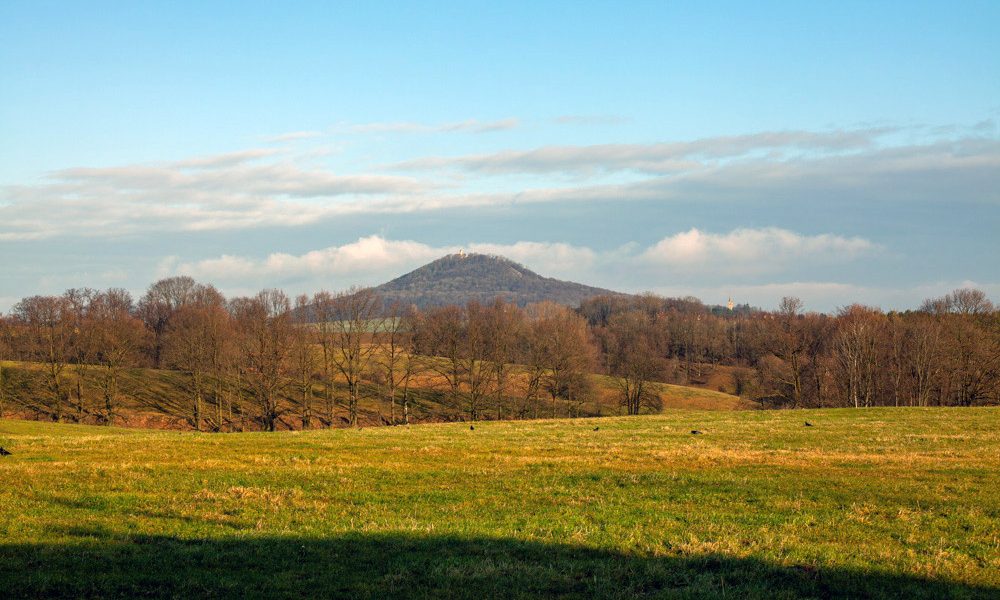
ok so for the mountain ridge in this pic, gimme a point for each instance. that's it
(461, 278)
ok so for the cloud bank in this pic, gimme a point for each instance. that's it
(765, 249)
(261, 187)
(374, 258)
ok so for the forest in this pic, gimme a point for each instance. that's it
(255, 362)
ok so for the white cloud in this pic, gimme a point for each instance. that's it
(230, 159)
(755, 249)
(266, 187)
(372, 254)
(469, 126)
(372, 257)
(292, 136)
(552, 258)
(668, 157)
(214, 192)
(589, 120)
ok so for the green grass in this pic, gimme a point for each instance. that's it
(894, 503)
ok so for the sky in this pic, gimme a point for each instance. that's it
(839, 152)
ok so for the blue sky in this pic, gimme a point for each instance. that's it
(835, 151)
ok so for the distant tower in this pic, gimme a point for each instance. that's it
(461, 253)
(730, 304)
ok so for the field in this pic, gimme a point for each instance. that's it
(893, 503)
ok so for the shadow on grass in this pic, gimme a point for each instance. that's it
(394, 566)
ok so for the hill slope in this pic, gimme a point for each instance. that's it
(876, 503)
(161, 399)
(459, 278)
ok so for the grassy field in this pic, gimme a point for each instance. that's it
(882, 503)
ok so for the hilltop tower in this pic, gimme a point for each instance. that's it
(730, 304)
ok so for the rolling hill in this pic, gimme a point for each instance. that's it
(460, 278)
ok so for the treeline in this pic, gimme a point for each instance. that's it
(307, 362)
(946, 353)
(263, 358)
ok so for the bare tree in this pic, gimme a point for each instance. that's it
(475, 370)
(924, 357)
(439, 333)
(818, 329)
(967, 301)
(857, 350)
(504, 325)
(790, 345)
(6, 353)
(972, 358)
(264, 327)
(79, 300)
(412, 364)
(303, 359)
(195, 341)
(395, 342)
(325, 314)
(634, 358)
(354, 318)
(48, 322)
(567, 351)
(534, 352)
(159, 303)
(117, 339)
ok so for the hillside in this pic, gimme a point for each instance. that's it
(460, 278)
(879, 503)
(160, 399)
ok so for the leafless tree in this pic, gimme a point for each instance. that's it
(354, 317)
(395, 340)
(475, 369)
(504, 325)
(857, 350)
(439, 333)
(158, 304)
(117, 339)
(325, 314)
(818, 330)
(195, 341)
(303, 357)
(7, 340)
(634, 358)
(48, 322)
(534, 352)
(264, 328)
(567, 352)
(923, 356)
(790, 345)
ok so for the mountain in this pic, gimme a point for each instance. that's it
(459, 278)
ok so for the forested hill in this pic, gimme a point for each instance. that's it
(460, 278)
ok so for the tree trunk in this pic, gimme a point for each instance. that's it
(196, 379)
(352, 392)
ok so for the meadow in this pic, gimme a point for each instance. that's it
(879, 503)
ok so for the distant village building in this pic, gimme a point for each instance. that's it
(730, 304)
